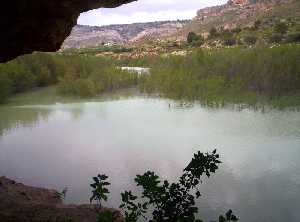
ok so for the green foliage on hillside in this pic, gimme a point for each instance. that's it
(195, 40)
(98, 49)
(28, 72)
(83, 76)
(279, 24)
(232, 74)
(252, 74)
(89, 76)
(277, 31)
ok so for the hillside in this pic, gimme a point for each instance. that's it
(91, 36)
(242, 13)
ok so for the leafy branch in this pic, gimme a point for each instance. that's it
(168, 202)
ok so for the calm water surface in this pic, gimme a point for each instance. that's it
(60, 145)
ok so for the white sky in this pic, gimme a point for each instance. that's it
(146, 11)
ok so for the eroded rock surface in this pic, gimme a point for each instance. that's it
(21, 203)
(33, 25)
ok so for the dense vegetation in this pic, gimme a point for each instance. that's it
(98, 49)
(232, 74)
(212, 76)
(75, 74)
(264, 31)
(89, 76)
(164, 201)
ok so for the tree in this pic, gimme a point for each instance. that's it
(275, 38)
(213, 33)
(280, 27)
(5, 87)
(236, 30)
(192, 37)
(167, 201)
(229, 41)
(44, 76)
(257, 24)
(250, 39)
(85, 88)
(293, 37)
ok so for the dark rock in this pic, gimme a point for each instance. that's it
(32, 25)
(19, 202)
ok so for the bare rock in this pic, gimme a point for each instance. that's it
(33, 25)
(19, 202)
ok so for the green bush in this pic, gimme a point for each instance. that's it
(281, 28)
(213, 33)
(194, 39)
(275, 38)
(250, 39)
(236, 30)
(6, 87)
(227, 74)
(78, 75)
(30, 71)
(257, 24)
(229, 41)
(293, 37)
(163, 200)
(84, 88)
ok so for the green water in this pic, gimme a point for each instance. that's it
(52, 141)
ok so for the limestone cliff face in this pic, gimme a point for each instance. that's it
(243, 6)
(91, 36)
(43, 25)
(232, 14)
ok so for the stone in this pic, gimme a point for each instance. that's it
(32, 25)
(19, 202)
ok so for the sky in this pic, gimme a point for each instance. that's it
(146, 11)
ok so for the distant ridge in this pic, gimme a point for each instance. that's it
(233, 14)
(90, 36)
(242, 13)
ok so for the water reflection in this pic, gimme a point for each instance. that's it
(66, 144)
(13, 118)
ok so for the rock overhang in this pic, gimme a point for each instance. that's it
(32, 25)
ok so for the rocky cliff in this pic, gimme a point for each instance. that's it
(41, 25)
(91, 36)
(240, 13)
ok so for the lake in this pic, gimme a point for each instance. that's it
(64, 144)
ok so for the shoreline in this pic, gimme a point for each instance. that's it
(24, 203)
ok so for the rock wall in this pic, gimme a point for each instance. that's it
(42, 25)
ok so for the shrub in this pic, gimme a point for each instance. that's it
(44, 77)
(275, 38)
(236, 30)
(280, 27)
(250, 39)
(229, 41)
(66, 84)
(84, 88)
(257, 24)
(213, 33)
(166, 201)
(99, 190)
(215, 76)
(6, 87)
(195, 40)
(192, 37)
(293, 37)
